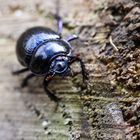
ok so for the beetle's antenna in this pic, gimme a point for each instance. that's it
(58, 18)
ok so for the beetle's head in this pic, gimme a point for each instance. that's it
(60, 65)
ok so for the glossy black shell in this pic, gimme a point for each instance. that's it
(37, 46)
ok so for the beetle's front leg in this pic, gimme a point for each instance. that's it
(84, 71)
(72, 37)
(51, 95)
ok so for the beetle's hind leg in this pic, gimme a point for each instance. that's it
(51, 95)
(59, 24)
(20, 71)
(58, 18)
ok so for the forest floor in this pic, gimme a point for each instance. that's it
(107, 107)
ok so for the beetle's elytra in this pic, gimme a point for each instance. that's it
(44, 52)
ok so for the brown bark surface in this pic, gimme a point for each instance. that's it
(107, 107)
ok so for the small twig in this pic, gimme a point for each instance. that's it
(111, 42)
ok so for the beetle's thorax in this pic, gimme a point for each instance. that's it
(43, 57)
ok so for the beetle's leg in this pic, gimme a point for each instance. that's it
(20, 71)
(84, 72)
(46, 81)
(72, 37)
(25, 81)
(59, 24)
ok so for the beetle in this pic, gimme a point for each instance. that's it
(44, 52)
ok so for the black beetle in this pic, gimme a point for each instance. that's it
(44, 52)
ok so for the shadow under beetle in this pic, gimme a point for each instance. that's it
(45, 53)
